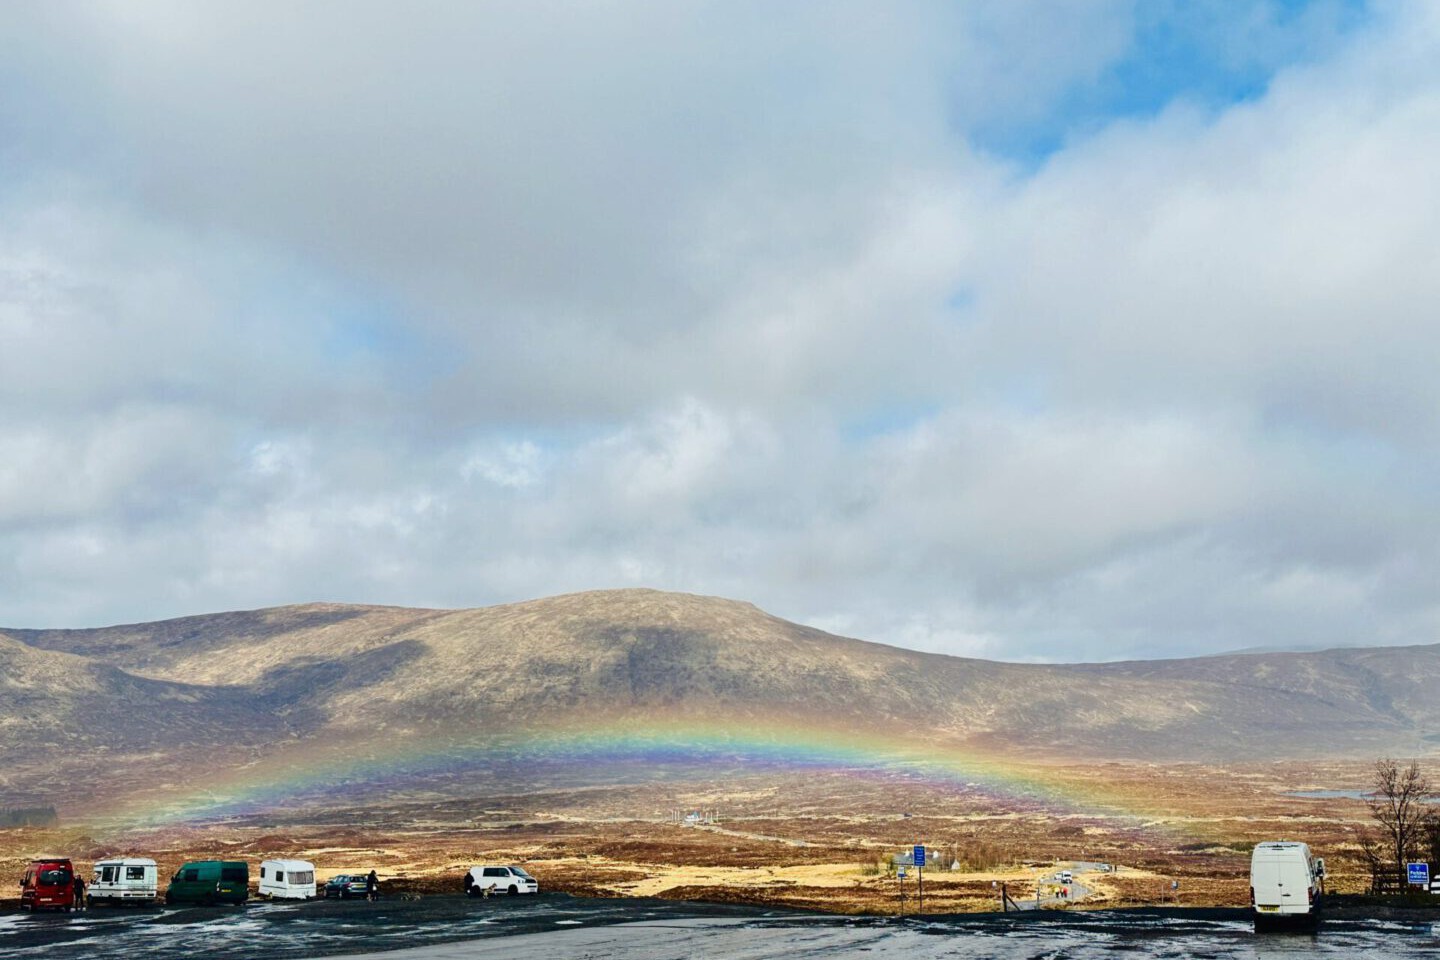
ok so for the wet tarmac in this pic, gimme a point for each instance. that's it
(553, 926)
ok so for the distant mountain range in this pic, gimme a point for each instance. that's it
(173, 699)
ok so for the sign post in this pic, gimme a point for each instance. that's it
(1418, 874)
(900, 877)
(918, 855)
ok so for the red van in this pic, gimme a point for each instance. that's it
(48, 884)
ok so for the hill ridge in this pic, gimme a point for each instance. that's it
(245, 684)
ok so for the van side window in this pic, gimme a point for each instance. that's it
(262, 874)
(108, 874)
(236, 874)
(191, 875)
(495, 872)
(279, 876)
(134, 873)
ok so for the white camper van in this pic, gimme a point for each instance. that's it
(1287, 884)
(287, 879)
(127, 880)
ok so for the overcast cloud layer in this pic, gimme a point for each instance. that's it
(1020, 330)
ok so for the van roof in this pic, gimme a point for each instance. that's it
(126, 862)
(290, 864)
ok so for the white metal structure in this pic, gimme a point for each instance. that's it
(125, 880)
(1286, 883)
(287, 879)
(485, 880)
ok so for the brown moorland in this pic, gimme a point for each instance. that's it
(1169, 769)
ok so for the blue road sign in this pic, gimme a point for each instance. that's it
(1419, 874)
(919, 855)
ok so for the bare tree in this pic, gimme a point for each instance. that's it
(1399, 805)
(1431, 837)
(1375, 857)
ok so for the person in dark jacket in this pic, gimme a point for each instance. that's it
(372, 887)
(77, 891)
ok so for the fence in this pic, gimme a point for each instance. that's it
(1388, 886)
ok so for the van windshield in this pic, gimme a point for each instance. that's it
(520, 871)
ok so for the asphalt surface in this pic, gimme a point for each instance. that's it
(317, 928)
(1078, 889)
(552, 926)
(1073, 938)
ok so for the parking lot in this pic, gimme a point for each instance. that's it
(452, 927)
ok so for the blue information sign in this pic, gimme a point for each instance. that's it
(1419, 874)
(919, 855)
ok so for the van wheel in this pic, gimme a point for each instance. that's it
(514, 889)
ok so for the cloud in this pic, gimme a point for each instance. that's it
(932, 323)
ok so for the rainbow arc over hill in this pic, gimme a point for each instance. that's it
(309, 772)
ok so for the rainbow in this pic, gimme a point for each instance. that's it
(309, 771)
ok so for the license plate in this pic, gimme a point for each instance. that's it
(1268, 909)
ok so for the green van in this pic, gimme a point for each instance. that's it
(210, 881)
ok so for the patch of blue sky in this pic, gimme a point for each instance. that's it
(366, 331)
(887, 420)
(960, 304)
(1026, 393)
(359, 330)
(1206, 54)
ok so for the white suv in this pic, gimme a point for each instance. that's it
(483, 881)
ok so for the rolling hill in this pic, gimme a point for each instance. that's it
(234, 688)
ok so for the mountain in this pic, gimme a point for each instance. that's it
(240, 687)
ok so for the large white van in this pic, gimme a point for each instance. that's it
(483, 881)
(287, 879)
(1287, 884)
(125, 880)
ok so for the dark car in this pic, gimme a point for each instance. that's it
(345, 886)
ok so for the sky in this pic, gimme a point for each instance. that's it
(1046, 330)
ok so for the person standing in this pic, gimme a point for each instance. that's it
(372, 886)
(77, 892)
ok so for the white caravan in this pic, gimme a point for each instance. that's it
(125, 880)
(483, 881)
(1287, 884)
(287, 879)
